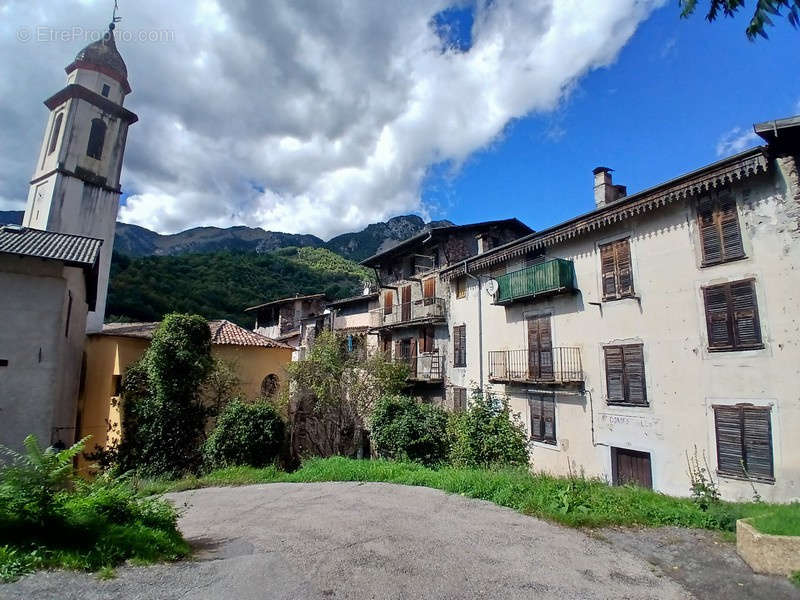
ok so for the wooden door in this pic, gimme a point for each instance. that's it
(632, 467)
(406, 300)
(540, 348)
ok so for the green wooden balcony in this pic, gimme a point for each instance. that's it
(550, 277)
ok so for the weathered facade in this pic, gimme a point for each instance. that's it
(48, 282)
(412, 319)
(282, 320)
(657, 324)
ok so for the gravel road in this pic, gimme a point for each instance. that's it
(372, 540)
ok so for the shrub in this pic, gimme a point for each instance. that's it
(246, 434)
(487, 434)
(50, 518)
(163, 416)
(404, 429)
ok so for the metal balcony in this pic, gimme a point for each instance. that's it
(426, 366)
(550, 277)
(554, 366)
(424, 310)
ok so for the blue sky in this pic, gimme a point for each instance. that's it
(677, 89)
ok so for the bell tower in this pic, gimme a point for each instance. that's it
(75, 186)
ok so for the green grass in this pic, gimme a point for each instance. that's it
(795, 578)
(575, 502)
(778, 520)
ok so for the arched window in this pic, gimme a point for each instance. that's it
(270, 385)
(97, 137)
(55, 133)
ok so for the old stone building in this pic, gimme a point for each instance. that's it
(283, 319)
(658, 324)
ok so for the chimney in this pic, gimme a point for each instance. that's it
(484, 242)
(605, 192)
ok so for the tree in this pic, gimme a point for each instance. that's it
(761, 14)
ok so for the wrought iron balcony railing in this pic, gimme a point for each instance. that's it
(422, 310)
(555, 365)
(550, 277)
(425, 366)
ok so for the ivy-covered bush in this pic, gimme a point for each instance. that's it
(246, 434)
(487, 434)
(404, 429)
(163, 416)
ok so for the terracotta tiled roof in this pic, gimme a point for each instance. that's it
(223, 333)
(75, 250)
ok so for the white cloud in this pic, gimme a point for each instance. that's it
(736, 140)
(305, 117)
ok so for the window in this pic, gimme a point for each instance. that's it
(732, 316)
(744, 441)
(116, 385)
(106, 90)
(543, 417)
(615, 263)
(625, 375)
(56, 131)
(269, 386)
(459, 399)
(429, 288)
(460, 346)
(388, 300)
(461, 287)
(426, 339)
(69, 314)
(97, 137)
(720, 235)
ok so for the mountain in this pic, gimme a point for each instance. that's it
(133, 240)
(220, 285)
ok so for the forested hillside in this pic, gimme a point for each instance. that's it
(220, 285)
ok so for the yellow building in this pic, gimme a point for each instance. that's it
(258, 361)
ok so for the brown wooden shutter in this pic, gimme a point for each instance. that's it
(757, 439)
(720, 334)
(615, 374)
(460, 346)
(429, 288)
(710, 238)
(549, 418)
(537, 420)
(730, 233)
(622, 252)
(728, 425)
(398, 349)
(633, 358)
(609, 273)
(744, 309)
(388, 300)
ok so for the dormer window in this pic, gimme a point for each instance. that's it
(106, 90)
(97, 137)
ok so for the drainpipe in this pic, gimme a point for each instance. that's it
(480, 324)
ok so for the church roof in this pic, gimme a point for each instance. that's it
(73, 250)
(223, 333)
(104, 57)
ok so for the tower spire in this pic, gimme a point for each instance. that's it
(114, 18)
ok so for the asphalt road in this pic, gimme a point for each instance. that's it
(349, 540)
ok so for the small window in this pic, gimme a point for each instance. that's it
(615, 263)
(269, 386)
(461, 287)
(116, 385)
(97, 137)
(543, 417)
(460, 346)
(69, 314)
(732, 316)
(3, 362)
(720, 235)
(106, 90)
(56, 132)
(625, 375)
(744, 441)
(459, 399)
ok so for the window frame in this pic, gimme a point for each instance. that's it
(97, 139)
(540, 436)
(459, 345)
(617, 271)
(730, 317)
(716, 215)
(461, 288)
(625, 374)
(746, 472)
(459, 398)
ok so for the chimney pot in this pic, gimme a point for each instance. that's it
(605, 191)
